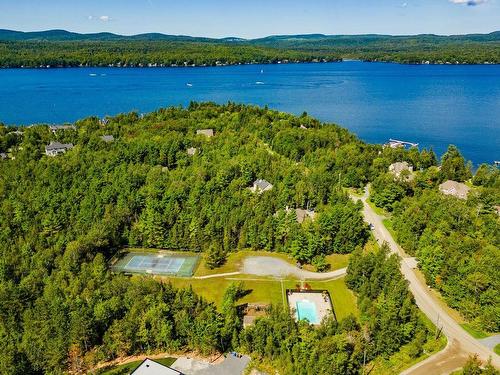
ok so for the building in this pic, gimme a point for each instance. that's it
(150, 367)
(304, 214)
(301, 214)
(191, 151)
(56, 148)
(107, 138)
(260, 186)
(398, 168)
(206, 132)
(457, 189)
(55, 128)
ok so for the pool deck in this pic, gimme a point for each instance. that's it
(321, 301)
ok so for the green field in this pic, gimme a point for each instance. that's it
(266, 290)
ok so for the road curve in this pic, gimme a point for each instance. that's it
(461, 344)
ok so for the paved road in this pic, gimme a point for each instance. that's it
(461, 344)
(270, 266)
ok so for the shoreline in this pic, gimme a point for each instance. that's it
(222, 65)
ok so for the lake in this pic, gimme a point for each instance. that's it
(433, 105)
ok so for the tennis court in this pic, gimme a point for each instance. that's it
(172, 264)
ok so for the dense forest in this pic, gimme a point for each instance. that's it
(456, 241)
(62, 219)
(58, 48)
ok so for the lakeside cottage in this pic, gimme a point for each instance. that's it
(260, 186)
(206, 132)
(454, 188)
(107, 138)
(56, 148)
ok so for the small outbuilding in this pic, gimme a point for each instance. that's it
(206, 132)
(260, 186)
(457, 189)
(150, 367)
(56, 148)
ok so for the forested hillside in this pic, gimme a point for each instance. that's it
(59, 48)
(62, 218)
(159, 184)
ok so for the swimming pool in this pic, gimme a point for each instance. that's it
(307, 310)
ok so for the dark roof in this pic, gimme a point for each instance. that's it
(262, 184)
(58, 146)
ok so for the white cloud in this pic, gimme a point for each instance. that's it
(469, 2)
(100, 18)
(404, 5)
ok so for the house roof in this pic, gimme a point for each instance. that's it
(150, 367)
(61, 127)
(399, 167)
(262, 184)
(304, 214)
(58, 146)
(454, 188)
(206, 132)
(107, 138)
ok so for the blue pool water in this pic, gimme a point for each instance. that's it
(433, 105)
(307, 310)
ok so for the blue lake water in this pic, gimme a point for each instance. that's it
(433, 105)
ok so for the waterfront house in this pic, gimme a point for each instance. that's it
(56, 148)
(206, 132)
(454, 188)
(260, 186)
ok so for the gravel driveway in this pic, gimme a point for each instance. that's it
(270, 266)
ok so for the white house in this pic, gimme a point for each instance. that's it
(56, 148)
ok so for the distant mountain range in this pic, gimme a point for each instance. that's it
(274, 40)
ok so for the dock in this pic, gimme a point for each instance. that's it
(396, 143)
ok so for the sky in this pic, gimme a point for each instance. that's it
(253, 18)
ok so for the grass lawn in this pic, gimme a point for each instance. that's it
(496, 349)
(266, 290)
(474, 332)
(131, 366)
